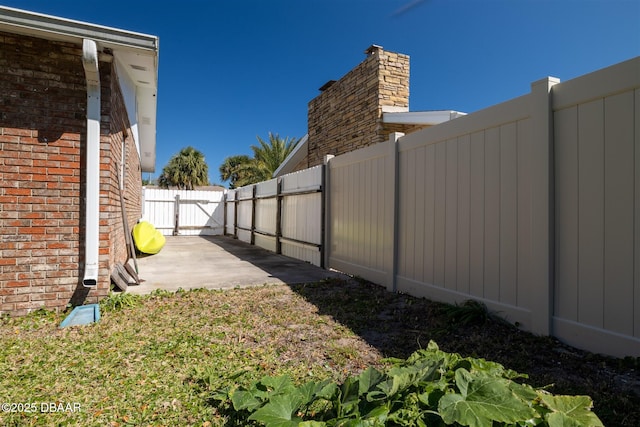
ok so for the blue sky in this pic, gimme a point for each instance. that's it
(231, 70)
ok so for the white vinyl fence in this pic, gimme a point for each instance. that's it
(184, 212)
(531, 206)
(283, 215)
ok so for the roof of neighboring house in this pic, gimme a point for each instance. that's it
(395, 115)
(298, 154)
(135, 55)
(429, 118)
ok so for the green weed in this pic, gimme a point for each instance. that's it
(120, 300)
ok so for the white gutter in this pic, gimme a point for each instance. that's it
(92, 203)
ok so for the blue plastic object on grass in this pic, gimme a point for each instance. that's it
(82, 315)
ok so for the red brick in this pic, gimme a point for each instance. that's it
(32, 245)
(32, 170)
(17, 132)
(69, 150)
(59, 245)
(16, 298)
(59, 273)
(31, 275)
(18, 223)
(57, 303)
(69, 178)
(36, 288)
(10, 177)
(32, 184)
(44, 296)
(59, 171)
(31, 230)
(10, 170)
(8, 308)
(22, 265)
(17, 283)
(9, 138)
(19, 162)
(31, 305)
(43, 252)
(44, 222)
(17, 191)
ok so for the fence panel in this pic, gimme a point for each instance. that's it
(597, 201)
(302, 216)
(460, 229)
(282, 215)
(199, 212)
(230, 213)
(244, 207)
(266, 212)
(361, 212)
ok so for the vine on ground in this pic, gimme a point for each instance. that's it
(429, 388)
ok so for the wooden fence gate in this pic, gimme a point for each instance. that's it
(184, 212)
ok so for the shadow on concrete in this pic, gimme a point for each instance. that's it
(220, 262)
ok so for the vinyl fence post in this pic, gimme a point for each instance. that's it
(325, 215)
(542, 203)
(176, 215)
(279, 200)
(224, 214)
(235, 214)
(394, 137)
(253, 215)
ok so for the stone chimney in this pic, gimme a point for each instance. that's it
(347, 115)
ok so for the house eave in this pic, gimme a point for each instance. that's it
(136, 51)
(61, 29)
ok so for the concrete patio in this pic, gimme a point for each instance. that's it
(218, 262)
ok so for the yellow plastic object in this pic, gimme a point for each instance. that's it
(148, 240)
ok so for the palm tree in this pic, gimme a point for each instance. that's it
(236, 169)
(271, 155)
(185, 170)
(267, 157)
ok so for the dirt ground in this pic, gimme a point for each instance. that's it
(395, 325)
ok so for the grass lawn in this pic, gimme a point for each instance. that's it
(156, 360)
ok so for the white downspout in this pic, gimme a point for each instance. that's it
(92, 212)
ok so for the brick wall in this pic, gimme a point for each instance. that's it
(112, 160)
(42, 177)
(348, 114)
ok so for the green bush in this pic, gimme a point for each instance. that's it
(430, 388)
